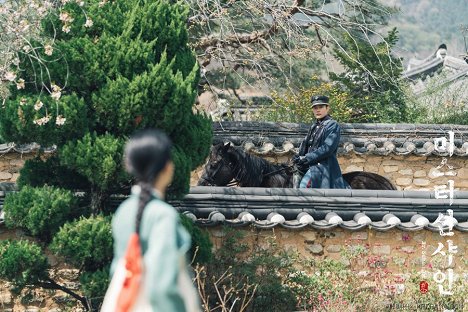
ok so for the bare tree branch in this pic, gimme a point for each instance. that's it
(266, 38)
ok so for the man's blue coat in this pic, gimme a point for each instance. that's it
(324, 170)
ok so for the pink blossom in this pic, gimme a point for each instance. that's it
(42, 121)
(60, 120)
(41, 11)
(10, 76)
(38, 105)
(88, 23)
(66, 28)
(56, 92)
(65, 17)
(48, 50)
(20, 84)
(405, 237)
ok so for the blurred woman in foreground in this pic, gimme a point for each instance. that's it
(164, 241)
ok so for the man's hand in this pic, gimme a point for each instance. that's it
(295, 159)
(303, 161)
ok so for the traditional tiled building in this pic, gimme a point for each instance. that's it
(439, 78)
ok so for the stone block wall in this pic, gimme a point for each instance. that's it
(38, 299)
(10, 165)
(411, 172)
(405, 172)
(397, 251)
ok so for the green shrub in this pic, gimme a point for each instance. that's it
(94, 285)
(37, 173)
(132, 69)
(201, 243)
(41, 211)
(85, 243)
(372, 79)
(23, 263)
(439, 103)
(265, 267)
(295, 107)
(98, 158)
(181, 181)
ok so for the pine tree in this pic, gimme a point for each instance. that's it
(128, 69)
(372, 77)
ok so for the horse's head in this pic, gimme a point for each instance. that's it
(219, 170)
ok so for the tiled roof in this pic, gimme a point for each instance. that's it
(24, 149)
(321, 208)
(457, 67)
(269, 138)
(272, 138)
(419, 72)
(420, 67)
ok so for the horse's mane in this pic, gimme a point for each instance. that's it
(250, 168)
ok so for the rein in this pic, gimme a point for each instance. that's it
(279, 170)
(237, 179)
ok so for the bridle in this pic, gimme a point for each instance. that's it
(210, 179)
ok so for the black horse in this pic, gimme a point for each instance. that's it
(228, 164)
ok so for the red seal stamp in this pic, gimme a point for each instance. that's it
(423, 286)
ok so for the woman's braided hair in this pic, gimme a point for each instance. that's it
(146, 154)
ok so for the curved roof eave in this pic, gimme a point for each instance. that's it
(322, 208)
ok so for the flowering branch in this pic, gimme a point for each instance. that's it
(22, 39)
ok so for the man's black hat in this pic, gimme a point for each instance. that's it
(319, 100)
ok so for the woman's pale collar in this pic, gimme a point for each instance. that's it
(136, 189)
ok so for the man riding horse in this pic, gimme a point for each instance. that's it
(229, 164)
(317, 152)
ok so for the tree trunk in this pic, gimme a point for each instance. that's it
(98, 198)
(50, 284)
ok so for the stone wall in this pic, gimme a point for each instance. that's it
(10, 165)
(411, 172)
(38, 299)
(405, 172)
(397, 251)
